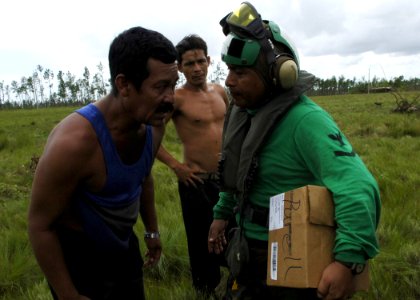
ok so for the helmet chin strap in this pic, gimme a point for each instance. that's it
(269, 50)
(267, 47)
(263, 70)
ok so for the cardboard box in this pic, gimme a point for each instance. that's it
(301, 238)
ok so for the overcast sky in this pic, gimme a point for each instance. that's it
(353, 38)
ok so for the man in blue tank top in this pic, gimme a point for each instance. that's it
(94, 177)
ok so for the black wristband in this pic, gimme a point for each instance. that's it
(355, 268)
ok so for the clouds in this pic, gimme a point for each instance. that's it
(356, 38)
(355, 27)
(333, 37)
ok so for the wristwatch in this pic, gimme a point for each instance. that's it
(355, 268)
(151, 235)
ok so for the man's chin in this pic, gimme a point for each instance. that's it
(239, 103)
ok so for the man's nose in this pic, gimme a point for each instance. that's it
(196, 66)
(230, 81)
(169, 95)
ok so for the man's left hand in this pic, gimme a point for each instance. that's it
(336, 282)
(154, 250)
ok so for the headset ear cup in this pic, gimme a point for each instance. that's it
(286, 72)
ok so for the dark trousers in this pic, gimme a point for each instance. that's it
(102, 275)
(251, 284)
(197, 211)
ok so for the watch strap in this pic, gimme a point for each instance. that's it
(151, 235)
(355, 268)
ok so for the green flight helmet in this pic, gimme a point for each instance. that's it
(240, 51)
(281, 37)
(243, 51)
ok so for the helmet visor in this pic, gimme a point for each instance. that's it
(244, 21)
(243, 16)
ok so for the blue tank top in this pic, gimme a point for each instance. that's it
(108, 216)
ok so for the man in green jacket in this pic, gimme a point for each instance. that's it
(277, 139)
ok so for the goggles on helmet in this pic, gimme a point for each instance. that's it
(247, 35)
(245, 22)
(248, 38)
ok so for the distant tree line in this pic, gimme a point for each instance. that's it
(334, 86)
(43, 88)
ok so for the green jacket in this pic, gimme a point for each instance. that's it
(305, 146)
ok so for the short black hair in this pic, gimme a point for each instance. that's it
(190, 42)
(130, 51)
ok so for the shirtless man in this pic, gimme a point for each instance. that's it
(94, 178)
(198, 116)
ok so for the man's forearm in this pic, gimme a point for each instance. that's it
(49, 255)
(165, 157)
(147, 205)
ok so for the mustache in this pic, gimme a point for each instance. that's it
(165, 107)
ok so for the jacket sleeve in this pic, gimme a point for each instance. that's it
(332, 160)
(225, 206)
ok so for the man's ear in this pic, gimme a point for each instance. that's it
(208, 60)
(121, 85)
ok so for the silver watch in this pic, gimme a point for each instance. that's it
(152, 235)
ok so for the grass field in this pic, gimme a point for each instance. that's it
(389, 144)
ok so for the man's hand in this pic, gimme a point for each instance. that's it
(186, 174)
(154, 250)
(217, 239)
(336, 282)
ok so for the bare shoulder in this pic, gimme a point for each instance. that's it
(217, 87)
(220, 90)
(74, 132)
(71, 143)
(67, 161)
(180, 94)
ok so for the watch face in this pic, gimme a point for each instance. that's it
(359, 268)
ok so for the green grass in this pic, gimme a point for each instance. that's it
(389, 144)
